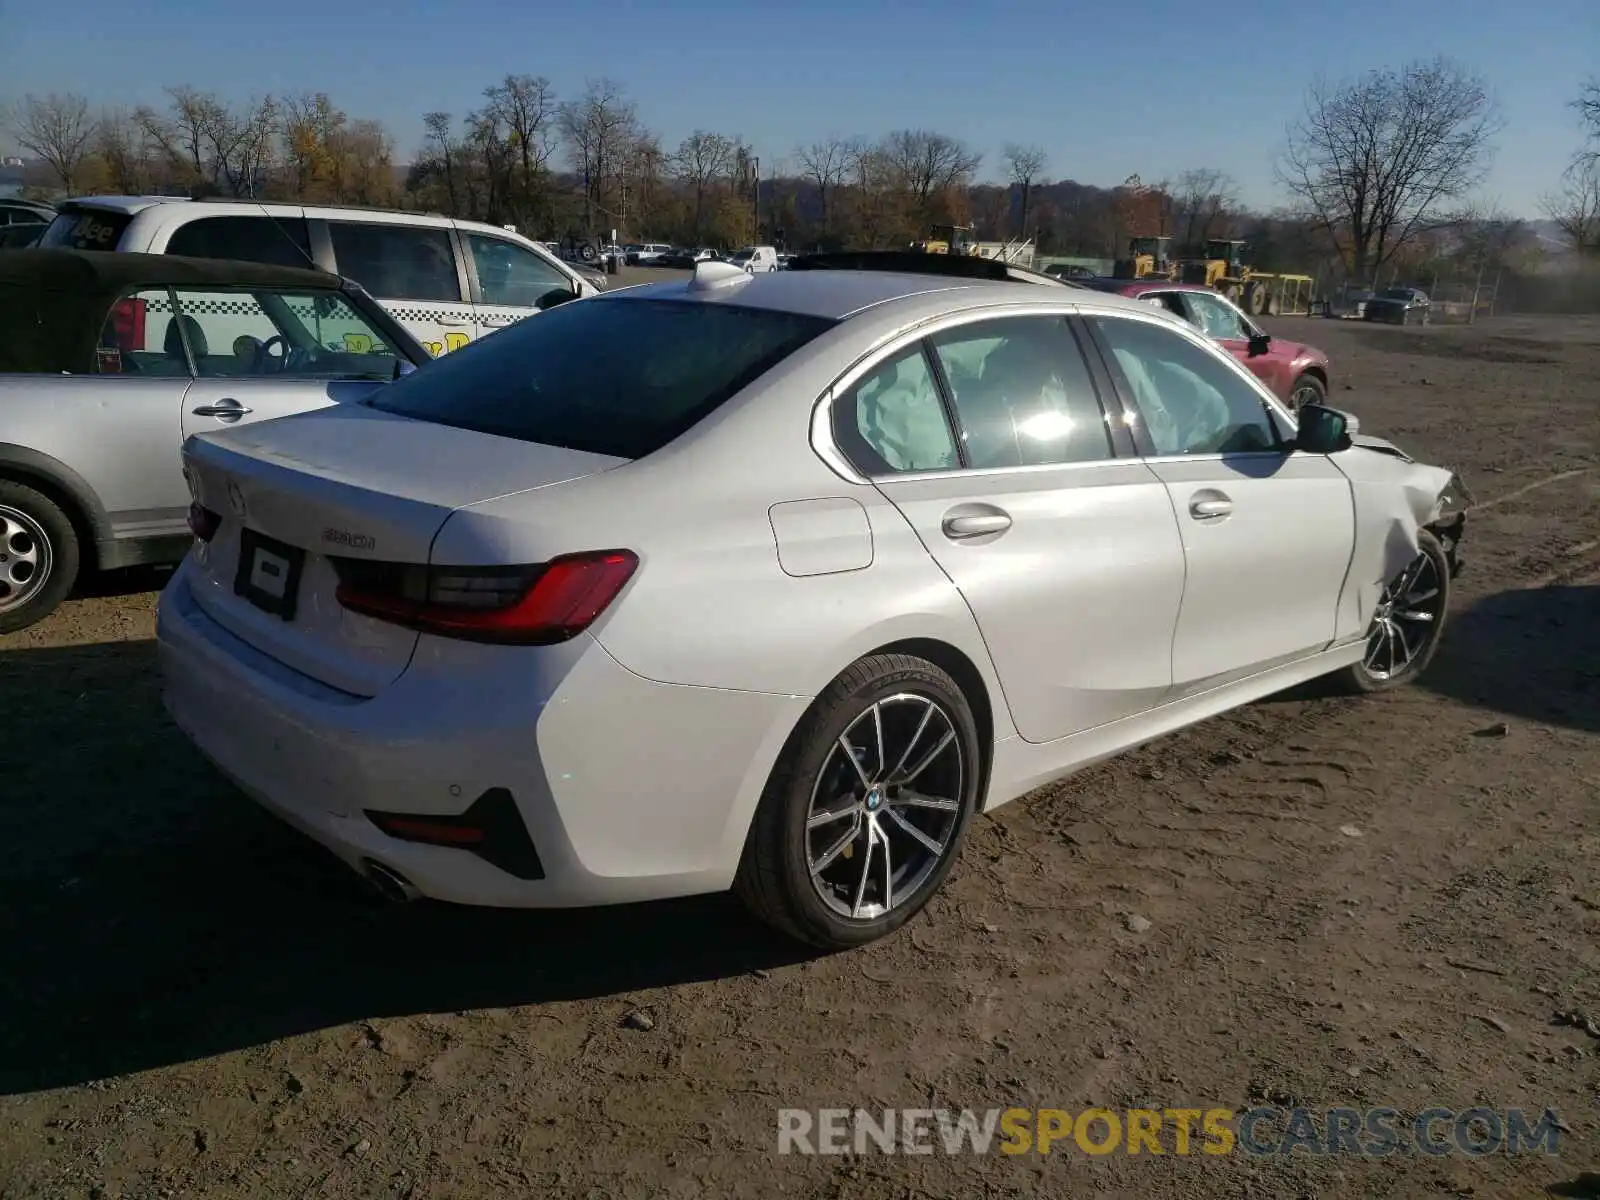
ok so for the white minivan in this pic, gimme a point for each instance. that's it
(447, 281)
(756, 259)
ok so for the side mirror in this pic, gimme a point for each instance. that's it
(403, 367)
(554, 297)
(1260, 343)
(1324, 430)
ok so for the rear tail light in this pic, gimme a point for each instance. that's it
(203, 523)
(526, 606)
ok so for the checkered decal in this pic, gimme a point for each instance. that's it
(412, 312)
(244, 306)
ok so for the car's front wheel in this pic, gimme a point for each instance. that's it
(865, 811)
(38, 556)
(1307, 389)
(1408, 623)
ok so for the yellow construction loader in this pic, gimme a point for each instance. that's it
(1148, 258)
(946, 239)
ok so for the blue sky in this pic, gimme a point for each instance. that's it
(1108, 89)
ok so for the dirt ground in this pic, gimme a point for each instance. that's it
(196, 1003)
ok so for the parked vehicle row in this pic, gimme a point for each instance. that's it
(753, 259)
(447, 629)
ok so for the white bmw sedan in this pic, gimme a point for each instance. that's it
(771, 583)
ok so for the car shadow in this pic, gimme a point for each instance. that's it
(128, 581)
(151, 915)
(1532, 653)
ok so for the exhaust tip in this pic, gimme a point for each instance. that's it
(391, 885)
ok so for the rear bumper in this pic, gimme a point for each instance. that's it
(629, 789)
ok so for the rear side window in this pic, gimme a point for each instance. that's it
(86, 229)
(397, 262)
(279, 241)
(561, 381)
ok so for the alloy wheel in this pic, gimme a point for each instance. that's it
(1406, 620)
(1305, 394)
(25, 558)
(886, 806)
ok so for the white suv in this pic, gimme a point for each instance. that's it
(446, 281)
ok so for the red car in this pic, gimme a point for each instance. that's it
(1296, 373)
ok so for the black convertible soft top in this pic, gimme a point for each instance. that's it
(53, 303)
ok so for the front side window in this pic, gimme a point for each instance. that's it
(296, 334)
(1192, 402)
(397, 262)
(1022, 393)
(1168, 302)
(278, 241)
(615, 376)
(514, 276)
(893, 421)
(1216, 318)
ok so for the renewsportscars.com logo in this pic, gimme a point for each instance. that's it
(1371, 1133)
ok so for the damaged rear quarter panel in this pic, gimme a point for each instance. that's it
(1394, 498)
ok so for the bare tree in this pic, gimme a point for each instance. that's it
(57, 128)
(525, 107)
(927, 163)
(1575, 207)
(1200, 198)
(125, 153)
(823, 164)
(701, 159)
(1024, 165)
(443, 147)
(599, 127)
(1375, 161)
(215, 147)
(1588, 107)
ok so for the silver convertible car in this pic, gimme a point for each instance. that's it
(771, 583)
(108, 361)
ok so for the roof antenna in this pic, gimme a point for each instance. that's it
(287, 236)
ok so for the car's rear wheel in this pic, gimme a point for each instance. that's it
(38, 556)
(865, 811)
(1409, 621)
(1307, 389)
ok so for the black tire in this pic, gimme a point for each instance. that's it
(775, 878)
(1360, 677)
(1307, 389)
(586, 252)
(1255, 298)
(33, 529)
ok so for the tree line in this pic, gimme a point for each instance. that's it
(1380, 169)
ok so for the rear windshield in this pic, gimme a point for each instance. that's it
(621, 377)
(86, 229)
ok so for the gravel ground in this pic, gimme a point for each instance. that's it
(1316, 900)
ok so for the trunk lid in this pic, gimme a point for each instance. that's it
(341, 482)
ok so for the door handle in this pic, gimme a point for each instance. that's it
(971, 525)
(1210, 509)
(223, 410)
(452, 324)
